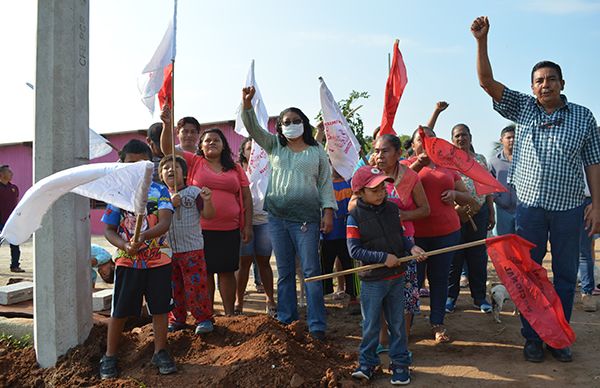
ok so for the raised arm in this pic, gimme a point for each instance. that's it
(166, 136)
(480, 28)
(440, 106)
(264, 139)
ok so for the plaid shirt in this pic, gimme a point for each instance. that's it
(549, 150)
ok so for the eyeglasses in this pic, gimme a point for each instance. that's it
(288, 122)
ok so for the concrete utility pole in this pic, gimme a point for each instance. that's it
(62, 300)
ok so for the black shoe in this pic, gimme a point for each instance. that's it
(17, 269)
(533, 351)
(108, 367)
(562, 355)
(318, 335)
(164, 362)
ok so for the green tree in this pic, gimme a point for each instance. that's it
(350, 111)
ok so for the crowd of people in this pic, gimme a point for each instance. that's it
(203, 222)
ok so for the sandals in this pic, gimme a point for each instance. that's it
(439, 332)
(237, 310)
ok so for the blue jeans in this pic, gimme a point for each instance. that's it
(290, 241)
(15, 253)
(386, 295)
(475, 258)
(437, 268)
(586, 262)
(563, 228)
(505, 222)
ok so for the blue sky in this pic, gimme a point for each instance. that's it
(293, 43)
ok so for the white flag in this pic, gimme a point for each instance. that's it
(259, 168)
(98, 145)
(124, 185)
(342, 145)
(152, 76)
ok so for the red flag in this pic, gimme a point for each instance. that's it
(165, 94)
(447, 155)
(527, 283)
(394, 87)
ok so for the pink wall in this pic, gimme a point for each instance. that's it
(19, 157)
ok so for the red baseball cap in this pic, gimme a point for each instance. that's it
(368, 176)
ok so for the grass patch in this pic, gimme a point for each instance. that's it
(14, 342)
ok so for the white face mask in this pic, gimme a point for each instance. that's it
(292, 131)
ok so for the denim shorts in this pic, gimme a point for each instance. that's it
(260, 245)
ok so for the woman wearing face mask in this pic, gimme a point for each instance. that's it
(482, 213)
(213, 167)
(299, 190)
(441, 229)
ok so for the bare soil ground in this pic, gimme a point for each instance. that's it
(256, 351)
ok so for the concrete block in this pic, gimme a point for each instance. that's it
(101, 300)
(16, 293)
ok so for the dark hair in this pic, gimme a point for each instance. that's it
(226, 158)
(154, 133)
(509, 128)
(4, 167)
(188, 120)
(242, 157)
(542, 64)
(465, 126)
(135, 146)
(307, 135)
(110, 276)
(179, 160)
(408, 143)
(392, 139)
(376, 132)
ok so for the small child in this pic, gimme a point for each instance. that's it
(101, 261)
(375, 235)
(143, 268)
(189, 280)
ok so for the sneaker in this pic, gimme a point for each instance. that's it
(450, 305)
(533, 351)
(318, 335)
(17, 269)
(175, 326)
(108, 367)
(400, 375)
(589, 304)
(424, 292)
(464, 281)
(381, 349)
(204, 327)
(484, 307)
(164, 362)
(562, 355)
(363, 373)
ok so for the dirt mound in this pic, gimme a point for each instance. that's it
(242, 351)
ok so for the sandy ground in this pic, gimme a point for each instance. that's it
(482, 352)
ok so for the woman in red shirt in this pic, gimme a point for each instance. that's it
(443, 187)
(213, 167)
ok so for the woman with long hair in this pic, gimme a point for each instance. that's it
(300, 203)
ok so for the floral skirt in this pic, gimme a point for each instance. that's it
(411, 290)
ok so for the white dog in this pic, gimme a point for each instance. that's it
(499, 295)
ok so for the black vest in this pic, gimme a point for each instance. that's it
(380, 230)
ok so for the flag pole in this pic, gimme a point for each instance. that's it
(172, 126)
(400, 260)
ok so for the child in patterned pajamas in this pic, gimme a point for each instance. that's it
(189, 279)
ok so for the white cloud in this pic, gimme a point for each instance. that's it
(562, 7)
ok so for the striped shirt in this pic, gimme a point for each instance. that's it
(549, 150)
(185, 233)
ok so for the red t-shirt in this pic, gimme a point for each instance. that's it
(443, 219)
(226, 190)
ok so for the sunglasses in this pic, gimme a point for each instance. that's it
(288, 122)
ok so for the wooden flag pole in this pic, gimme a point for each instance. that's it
(172, 126)
(139, 220)
(400, 260)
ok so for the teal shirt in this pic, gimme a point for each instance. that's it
(300, 185)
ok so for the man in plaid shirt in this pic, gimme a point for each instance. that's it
(553, 139)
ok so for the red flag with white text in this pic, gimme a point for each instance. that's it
(396, 82)
(447, 155)
(527, 283)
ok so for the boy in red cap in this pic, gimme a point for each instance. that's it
(374, 235)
